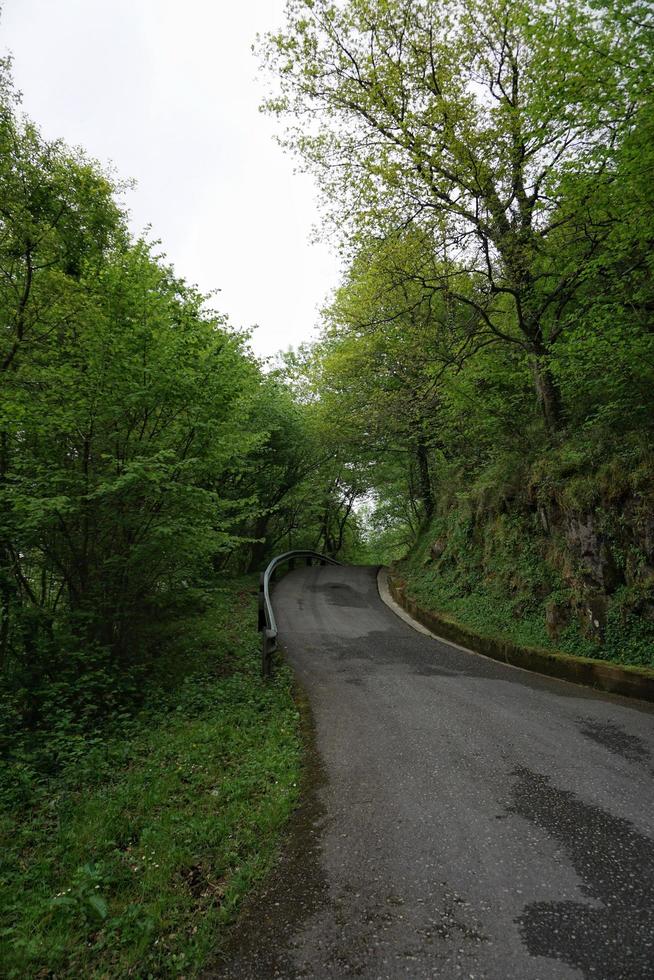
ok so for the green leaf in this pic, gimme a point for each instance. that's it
(99, 906)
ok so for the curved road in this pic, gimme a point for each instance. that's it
(469, 819)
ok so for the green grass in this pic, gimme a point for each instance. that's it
(133, 858)
(498, 586)
(488, 611)
(628, 640)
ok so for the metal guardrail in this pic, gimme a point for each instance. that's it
(267, 624)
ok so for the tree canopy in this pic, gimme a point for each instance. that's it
(494, 127)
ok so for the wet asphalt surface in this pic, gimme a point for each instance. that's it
(461, 818)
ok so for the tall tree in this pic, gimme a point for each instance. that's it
(469, 119)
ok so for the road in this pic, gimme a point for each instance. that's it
(464, 818)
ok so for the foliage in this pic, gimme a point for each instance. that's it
(492, 127)
(482, 397)
(135, 856)
(146, 456)
(492, 578)
(142, 446)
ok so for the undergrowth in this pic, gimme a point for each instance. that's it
(131, 856)
(496, 581)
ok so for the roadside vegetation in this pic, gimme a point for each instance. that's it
(148, 462)
(131, 858)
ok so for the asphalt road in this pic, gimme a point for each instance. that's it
(464, 818)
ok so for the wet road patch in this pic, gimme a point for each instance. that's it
(615, 862)
(614, 738)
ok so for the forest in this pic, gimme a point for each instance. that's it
(478, 410)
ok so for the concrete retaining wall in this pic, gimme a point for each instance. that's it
(633, 682)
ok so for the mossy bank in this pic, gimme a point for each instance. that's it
(557, 553)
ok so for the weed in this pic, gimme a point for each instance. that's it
(133, 854)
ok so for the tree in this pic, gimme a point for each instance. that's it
(389, 345)
(131, 420)
(57, 213)
(471, 120)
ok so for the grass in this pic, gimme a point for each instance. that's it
(134, 857)
(498, 585)
(489, 611)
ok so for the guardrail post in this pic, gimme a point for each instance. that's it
(291, 563)
(267, 648)
(308, 562)
(261, 621)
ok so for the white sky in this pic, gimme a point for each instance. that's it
(168, 91)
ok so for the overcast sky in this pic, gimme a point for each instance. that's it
(168, 91)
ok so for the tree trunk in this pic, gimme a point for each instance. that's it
(549, 395)
(5, 613)
(426, 489)
(259, 548)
